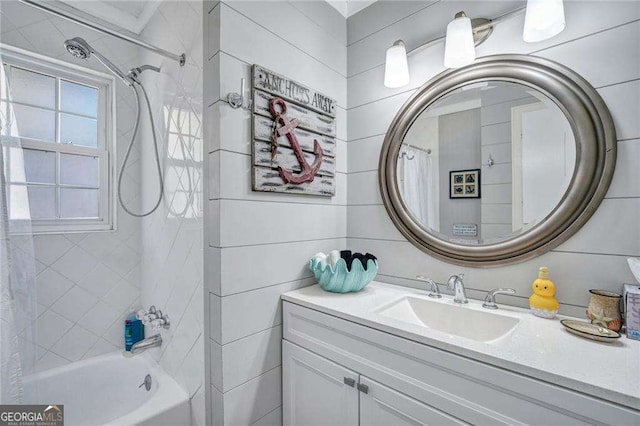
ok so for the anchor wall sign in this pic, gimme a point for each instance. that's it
(294, 136)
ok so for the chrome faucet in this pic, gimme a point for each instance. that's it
(455, 283)
(148, 343)
(490, 298)
(435, 291)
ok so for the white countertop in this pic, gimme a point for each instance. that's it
(537, 347)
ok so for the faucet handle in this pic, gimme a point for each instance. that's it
(490, 298)
(435, 291)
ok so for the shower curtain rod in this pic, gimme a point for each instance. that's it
(100, 28)
(428, 150)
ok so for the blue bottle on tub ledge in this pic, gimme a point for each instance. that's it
(343, 272)
(133, 331)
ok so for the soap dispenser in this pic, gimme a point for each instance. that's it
(543, 302)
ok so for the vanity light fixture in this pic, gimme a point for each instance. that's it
(396, 67)
(543, 20)
(463, 34)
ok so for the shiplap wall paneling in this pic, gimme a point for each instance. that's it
(260, 241)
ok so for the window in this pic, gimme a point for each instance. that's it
(62, 117)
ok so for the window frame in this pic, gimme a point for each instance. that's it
(106, 139)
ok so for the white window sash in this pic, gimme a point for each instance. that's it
(105, 151)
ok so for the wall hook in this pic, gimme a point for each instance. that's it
(236, 100)
(490, 162)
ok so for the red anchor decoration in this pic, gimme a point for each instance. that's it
(308, 171)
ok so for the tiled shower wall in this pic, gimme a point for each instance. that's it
(172, 255)
(88, 282)
(258, 243)
(604, 51)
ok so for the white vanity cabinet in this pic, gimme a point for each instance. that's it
(318, 392)
(338, 372)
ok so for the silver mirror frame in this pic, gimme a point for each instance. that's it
(596, 152)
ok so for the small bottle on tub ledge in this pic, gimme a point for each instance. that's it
(543, 302)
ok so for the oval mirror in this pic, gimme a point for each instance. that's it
(497, 162)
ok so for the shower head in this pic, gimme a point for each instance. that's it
(79, 48)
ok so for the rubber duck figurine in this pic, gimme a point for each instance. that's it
(543, 302)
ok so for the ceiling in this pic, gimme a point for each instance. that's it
(349, 7)
(133, 15)
(130, 15)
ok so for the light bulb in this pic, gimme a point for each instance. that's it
(396, 68)
(459, 48)
(543, 19)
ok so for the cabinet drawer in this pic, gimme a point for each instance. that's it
(469, 390)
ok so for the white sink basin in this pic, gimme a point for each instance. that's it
(445, 316)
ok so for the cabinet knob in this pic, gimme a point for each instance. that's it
(349, 381)
(363, 388)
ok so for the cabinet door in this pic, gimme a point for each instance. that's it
(383, 406)
(316, 391)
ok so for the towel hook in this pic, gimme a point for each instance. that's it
(490, 162)
(236, 100)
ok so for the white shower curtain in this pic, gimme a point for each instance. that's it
(18, 309)
(419, 189)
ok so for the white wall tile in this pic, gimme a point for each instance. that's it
(326, 17)
(253, 400)
(274, 418)
(364, 154)
(251, 222)
(215, 354)
(75, 343)
(364, 188)
(613, 229)
(374, 119)
(623, 101)
(270, 264)
(265, 348)
(213, 31)
(50, 286)
(603, 58)
(250, 312)
(74, 304)
(371, 222)
(380, 15)
(626, 178)
(300, 31)
(50, 328)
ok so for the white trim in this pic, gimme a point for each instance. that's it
(105, 151)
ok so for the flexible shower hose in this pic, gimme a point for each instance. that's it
(130, 147)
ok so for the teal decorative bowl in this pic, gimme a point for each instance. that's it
(341, 280)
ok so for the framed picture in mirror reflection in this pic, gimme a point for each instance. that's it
(464, 183)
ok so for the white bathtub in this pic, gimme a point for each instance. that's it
(104, 391)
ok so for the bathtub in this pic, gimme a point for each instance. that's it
(105, 391)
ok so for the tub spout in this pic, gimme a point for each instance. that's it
(149, 342)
